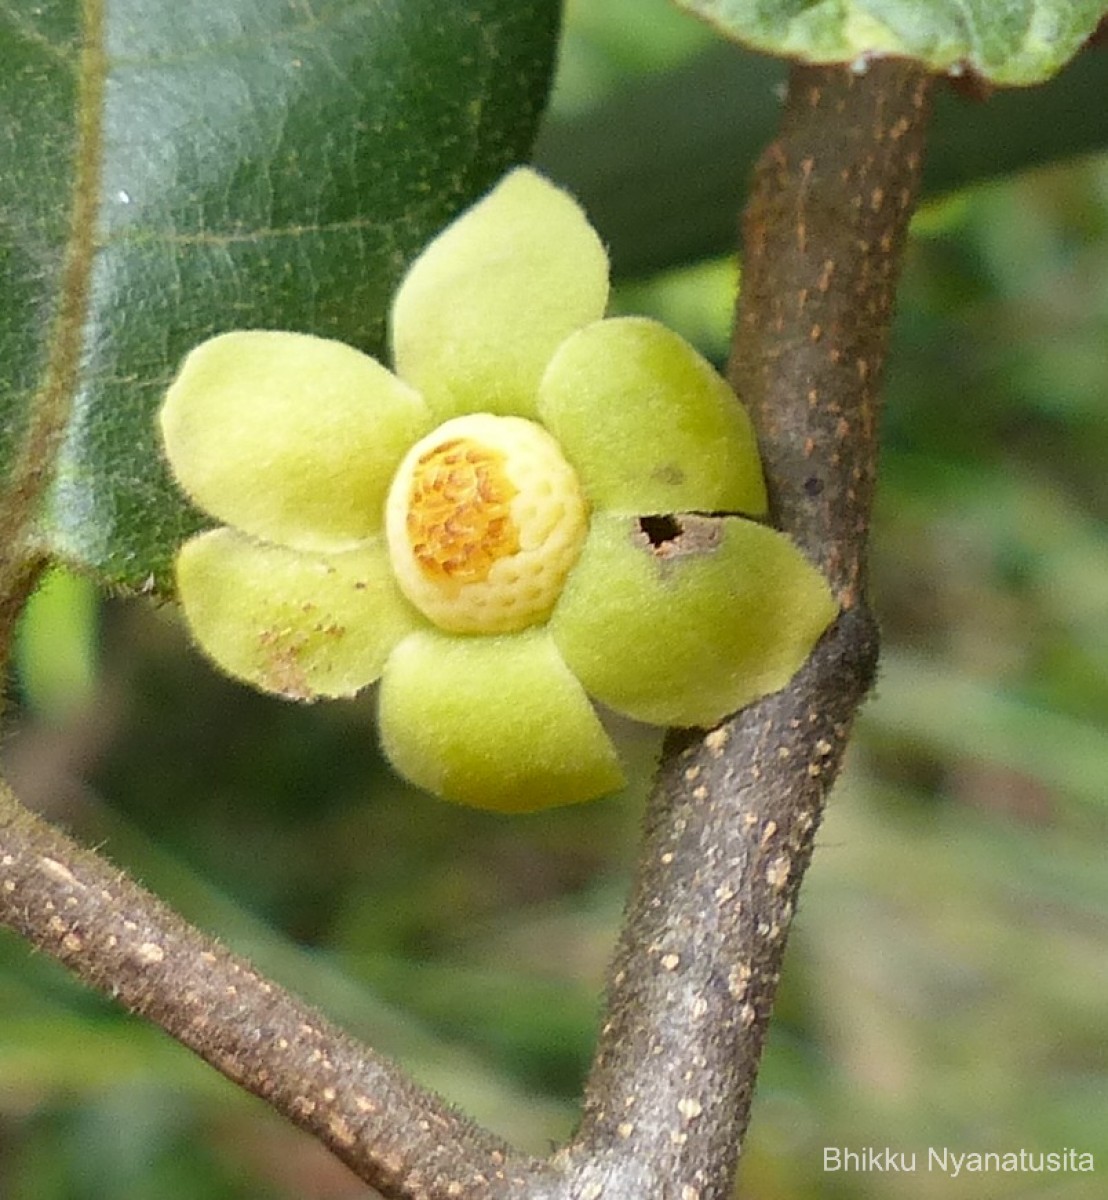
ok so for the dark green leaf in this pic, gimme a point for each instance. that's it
(1004, 41)
(170, 171)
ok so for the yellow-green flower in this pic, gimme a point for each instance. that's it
(502, 529)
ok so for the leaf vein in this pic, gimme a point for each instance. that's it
(50, 411)
(210, 238)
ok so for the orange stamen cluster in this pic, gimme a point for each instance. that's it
(459, 521)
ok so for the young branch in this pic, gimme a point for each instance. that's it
(730, 827)
(114, 936)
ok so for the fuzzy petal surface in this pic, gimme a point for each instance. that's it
(488, 302)
(649, 424)
(685, 631)
(303, 626)
(494, 722)
(289, 437)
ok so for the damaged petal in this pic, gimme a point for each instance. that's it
(718, 612)
(302, 626)
(674, 535)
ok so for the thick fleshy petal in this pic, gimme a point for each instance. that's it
(682, 621)
(289, 437)
(304, 626)
(493, 722)
(649, 425)
(488, 302)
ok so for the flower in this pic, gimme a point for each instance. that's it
(512, 523)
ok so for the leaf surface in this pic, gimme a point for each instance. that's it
(1008, 42)
(169, 171)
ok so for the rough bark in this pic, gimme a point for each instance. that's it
(730, 827)
(72, 904)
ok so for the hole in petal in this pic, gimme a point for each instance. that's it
(670, 535)
(660, 529)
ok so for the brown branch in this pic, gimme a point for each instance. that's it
(824, 235)
(731, 823)
(114, 936)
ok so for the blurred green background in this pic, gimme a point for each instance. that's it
(947, 978)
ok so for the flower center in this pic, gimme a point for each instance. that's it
(459, 511)
(484, 520)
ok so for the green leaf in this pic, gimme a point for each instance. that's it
(168, 172)
(1011, 42)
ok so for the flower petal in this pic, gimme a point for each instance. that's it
(680, 621)
(494, 722)
(301, 625)
(289, 437)
(488, 302)
(649, 424)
